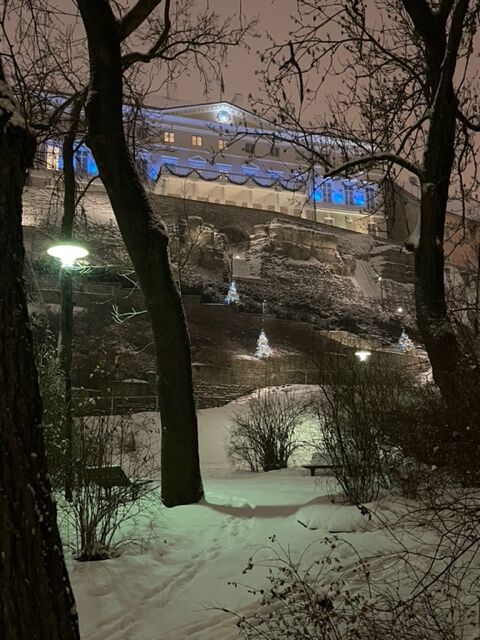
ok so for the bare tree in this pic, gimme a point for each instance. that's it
(35, 596)
(174, 37)
(406, 103)
(145, 238)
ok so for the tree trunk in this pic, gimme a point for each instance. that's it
(147, 244)
(450, 363)
(36, 601)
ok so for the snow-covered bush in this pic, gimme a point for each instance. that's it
(323, 596)
(352, 411)
(98, 511)
(263, 430)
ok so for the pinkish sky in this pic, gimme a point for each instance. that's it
(239, 75)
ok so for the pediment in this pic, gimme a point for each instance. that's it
(224, 114)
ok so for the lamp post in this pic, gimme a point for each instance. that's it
(67, 253)
(380, 284)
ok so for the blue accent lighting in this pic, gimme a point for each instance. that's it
(91, 165)
(338, 197)
(359, 198)
(317, 195)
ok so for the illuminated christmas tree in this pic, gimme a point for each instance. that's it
(263, 348)
(232, 295)
(404, 343)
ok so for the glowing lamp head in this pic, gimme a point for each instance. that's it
(400, 310)
(363, 355)
(67, 253)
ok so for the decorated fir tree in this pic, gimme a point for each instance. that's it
(263, 348)
(232, 295)
(404, 343)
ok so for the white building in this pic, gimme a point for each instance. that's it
(220, 152)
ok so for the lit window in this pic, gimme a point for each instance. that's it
(338, 197)
(197, 141)
(168, 137)
(52, 156)
(359, 198)
(327, 190)
(349, 194)
(222, 144)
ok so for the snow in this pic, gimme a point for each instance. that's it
(174, 584)
(10, 107)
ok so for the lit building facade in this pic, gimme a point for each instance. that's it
(222, 153)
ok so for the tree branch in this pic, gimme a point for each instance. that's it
(136, 16)
(363, 161)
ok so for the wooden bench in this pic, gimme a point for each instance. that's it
(109, 478)
(314, 467)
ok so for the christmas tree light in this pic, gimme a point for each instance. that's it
(263, 348)
(232, 295)
(404, 343)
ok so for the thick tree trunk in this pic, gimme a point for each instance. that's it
(147, 244)
(36, 601)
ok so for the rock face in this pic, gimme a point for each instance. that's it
(303, 243)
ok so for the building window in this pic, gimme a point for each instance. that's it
(274, 151)
(371, 198)
(359, 198)
(52, 156)
(349, 194)
(326, 190)
(372, 229)
(168, 137)
(197, 141)
(81, 160)
(249, 148)
(222, 144)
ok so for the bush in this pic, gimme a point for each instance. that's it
(263, 432)
(51, 382)
(326, 599)
(96, 513)
(353, 413)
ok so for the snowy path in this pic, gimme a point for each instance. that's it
(366, 280)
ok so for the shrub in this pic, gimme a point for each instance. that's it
(97, 513)
(326, 599)
(263, 433)
(51, 382)
(353, 411)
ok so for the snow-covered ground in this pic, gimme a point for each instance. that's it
(172, 586)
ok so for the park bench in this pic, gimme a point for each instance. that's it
(320, 460)
(109, 478)
(313, 467)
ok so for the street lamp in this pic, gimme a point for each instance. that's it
(363, 355)
(67, 253)
(380, 284)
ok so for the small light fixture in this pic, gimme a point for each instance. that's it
(363, 355)
(67, 252)
(379, 278)
(399, 309)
